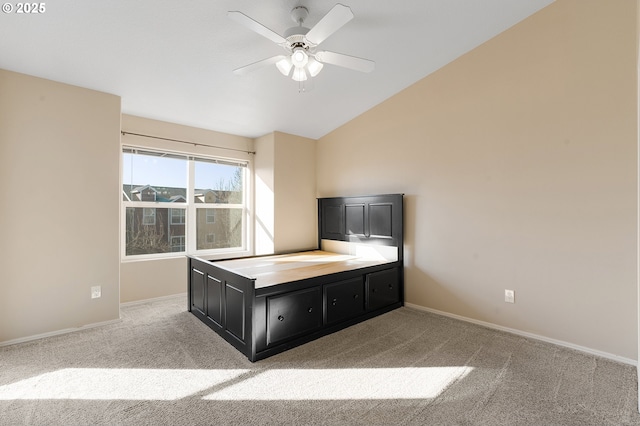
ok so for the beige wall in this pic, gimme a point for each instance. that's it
(264, 194)
(147, 279)
(209, 142)
(638, 165)
(286, 217)
(58, 164)
(296, 208)
(518, 162)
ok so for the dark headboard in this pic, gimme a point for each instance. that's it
(372, 219)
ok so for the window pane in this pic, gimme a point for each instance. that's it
(154, 178)
(150, 230)
(218, 183)
(224, 232)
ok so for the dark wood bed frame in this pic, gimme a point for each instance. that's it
(253, 319)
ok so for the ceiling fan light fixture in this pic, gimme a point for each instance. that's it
(299, 74)
(302, 61)
(284, 66)
(314, 67)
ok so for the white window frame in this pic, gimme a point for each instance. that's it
(190, 208)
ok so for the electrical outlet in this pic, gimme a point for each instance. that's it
(509, 296)
(96, 291)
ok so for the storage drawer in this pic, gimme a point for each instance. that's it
(294, 313)
(382, 289)
(343, 300)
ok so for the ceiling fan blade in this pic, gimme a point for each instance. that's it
(257, 65)
(330, 23)
(346, 61)
(256, 26)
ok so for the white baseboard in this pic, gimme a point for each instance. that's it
(154, 299)
(57, 332)
(526, 334)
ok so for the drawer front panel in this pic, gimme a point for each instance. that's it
(291, 314)
(344, 300)
(382, 289)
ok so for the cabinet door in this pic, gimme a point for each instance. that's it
(291, 314)
(382, 289)
(343, 300)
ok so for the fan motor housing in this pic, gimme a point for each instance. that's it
(295, 31)
(299, 40)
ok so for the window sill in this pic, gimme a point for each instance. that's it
(203, 255)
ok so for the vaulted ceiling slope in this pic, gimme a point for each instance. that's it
(173, 61)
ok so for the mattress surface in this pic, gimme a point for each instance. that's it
(279, 269)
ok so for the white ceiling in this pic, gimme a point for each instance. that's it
(173, 60)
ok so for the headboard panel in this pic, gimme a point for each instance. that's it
(373, 219)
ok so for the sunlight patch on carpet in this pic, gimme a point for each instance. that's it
(343, 384)
(117, 384)
(268, 385)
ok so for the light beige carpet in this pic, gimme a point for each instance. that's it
(160, 365)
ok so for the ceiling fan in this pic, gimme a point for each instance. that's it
(302, 59)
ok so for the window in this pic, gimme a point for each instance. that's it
(178, 216)
(211, 216)
(177, 243)
(175, 203)
(148, 216)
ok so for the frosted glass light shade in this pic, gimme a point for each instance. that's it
(284, 66)
(299, 74)
(314, 67)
